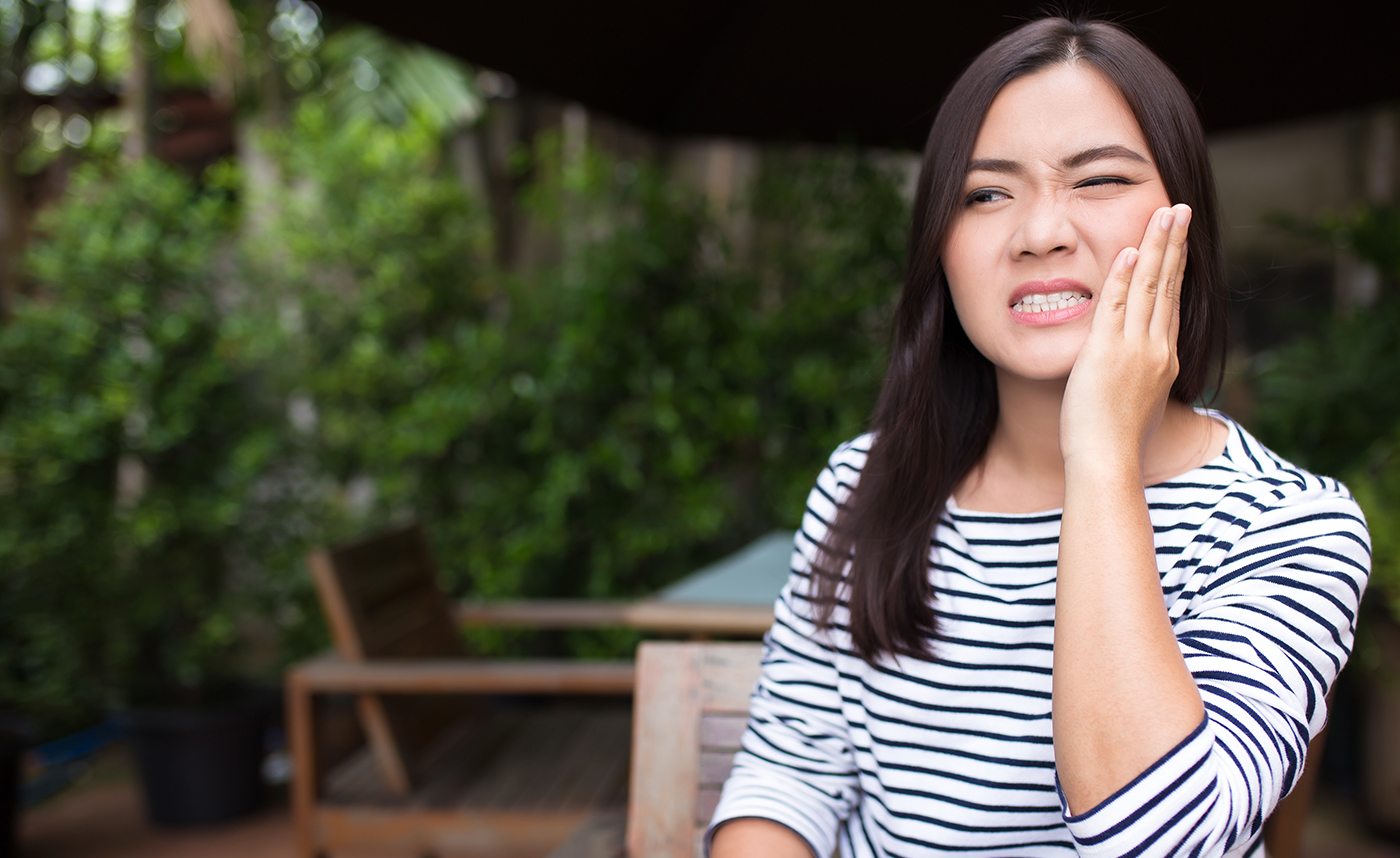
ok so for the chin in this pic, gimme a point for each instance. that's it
(1048, 365)
(1039, 374)
(1050, 374)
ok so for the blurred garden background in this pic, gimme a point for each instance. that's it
(272, 279)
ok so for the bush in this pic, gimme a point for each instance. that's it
(133, 441)
(601, 424)
(648, 397)
(1321, 399)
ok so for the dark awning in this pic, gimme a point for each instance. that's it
(873, 72)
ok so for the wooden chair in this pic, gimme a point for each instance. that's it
(692, 705)
(437, 770)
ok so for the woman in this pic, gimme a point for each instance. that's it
(1046, 605)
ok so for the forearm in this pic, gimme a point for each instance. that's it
(757, 838)
(1123, 696)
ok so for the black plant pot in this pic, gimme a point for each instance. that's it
(16, 734)
(10, 749)
(199, 766)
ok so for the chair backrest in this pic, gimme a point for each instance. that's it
(382, 601)
(690, 710)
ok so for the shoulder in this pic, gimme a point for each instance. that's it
(1280, 504)
(834, 484)
(851, 453)
(1268, 481)
(843, 468)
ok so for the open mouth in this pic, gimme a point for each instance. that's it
(1045, 302)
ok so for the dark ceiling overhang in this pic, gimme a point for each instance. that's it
(872, 73)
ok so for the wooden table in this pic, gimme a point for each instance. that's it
(732, 597)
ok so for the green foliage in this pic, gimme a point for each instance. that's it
(618, 425)
(135, 360)
(1326, 401)
(368, 76)
(379, 264)
(1376, 484)
(57, 464)
(827, 266)
(1321, 399)
(1370, 231)
(654, 392)
(601, 425)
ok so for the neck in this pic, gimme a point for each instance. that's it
(1023, 467)
(1026, 439)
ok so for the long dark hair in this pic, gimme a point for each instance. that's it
(938, 404)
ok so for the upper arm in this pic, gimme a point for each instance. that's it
(796, 766)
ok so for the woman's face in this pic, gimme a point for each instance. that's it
(1060, 181)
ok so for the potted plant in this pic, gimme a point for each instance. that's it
(151, 356)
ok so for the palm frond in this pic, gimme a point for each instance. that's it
(367, 75)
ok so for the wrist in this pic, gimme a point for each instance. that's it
(1106, 468)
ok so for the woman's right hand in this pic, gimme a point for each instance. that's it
(1119, 386)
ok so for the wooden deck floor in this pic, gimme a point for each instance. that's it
(103, 818)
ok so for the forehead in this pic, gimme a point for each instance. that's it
(1060, 109)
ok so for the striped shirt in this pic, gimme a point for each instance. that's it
(1262, 567)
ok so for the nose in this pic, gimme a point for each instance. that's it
(1046, 228)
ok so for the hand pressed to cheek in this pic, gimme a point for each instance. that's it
(1119, 385)
(1166, 316)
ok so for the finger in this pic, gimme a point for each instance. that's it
(1113, 297)
(1142, 295)
(1174, 334)
(1173, 271)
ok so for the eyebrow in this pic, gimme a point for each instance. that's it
(1078, 159)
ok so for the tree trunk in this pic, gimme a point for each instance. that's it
(139, 93)
(14, 224)
(16, 112)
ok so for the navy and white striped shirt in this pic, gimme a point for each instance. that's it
(1262, 566)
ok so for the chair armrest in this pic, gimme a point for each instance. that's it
(329, 673)
(543, 613)
(648, 615)
(697, 618)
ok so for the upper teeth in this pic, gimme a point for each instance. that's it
(1041, 303)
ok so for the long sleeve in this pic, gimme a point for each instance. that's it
(1264, 638)
(796, 766)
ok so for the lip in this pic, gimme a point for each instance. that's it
(1051, 317)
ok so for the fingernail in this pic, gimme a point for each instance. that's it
(1130, 257)
(1183, 211)
(1167, 217)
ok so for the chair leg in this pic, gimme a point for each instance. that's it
(303, 747)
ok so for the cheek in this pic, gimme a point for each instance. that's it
(966, 255)
(1126, 225)
(1138, 220)
(953, 251)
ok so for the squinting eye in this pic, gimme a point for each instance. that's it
(1102, 181)
(984, 195)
